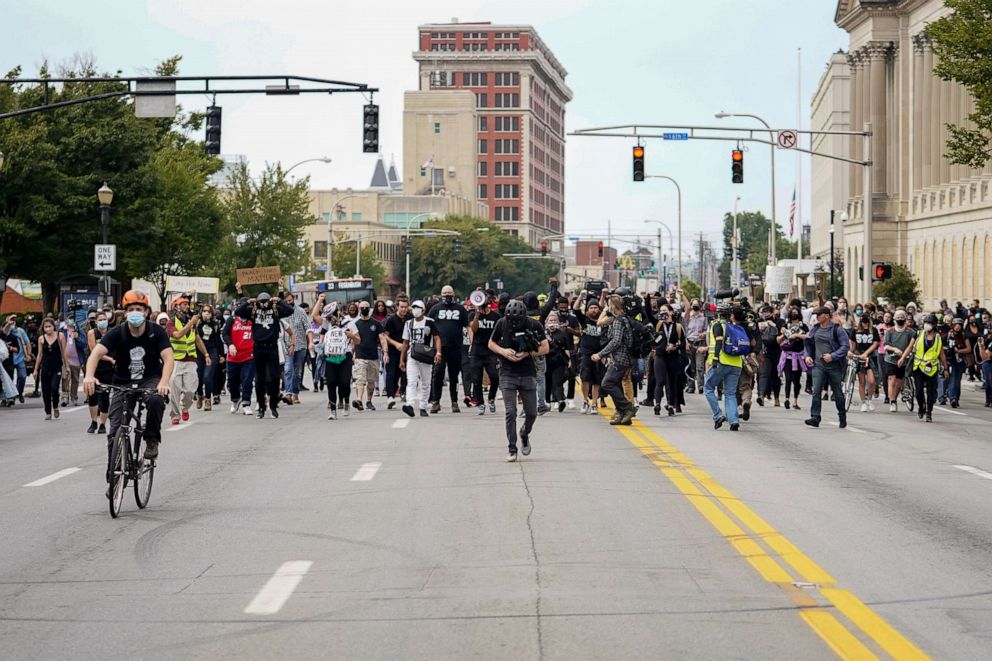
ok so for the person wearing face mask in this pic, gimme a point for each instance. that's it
(865, 342)
(185, 346)
(208, 361)
(958, 349)
(371, 337)
(769, 382)
(340, 336)
(450, 317)
(240, 361)
(49, 366)
(421, 353)
(559, 355)
(669, 341)
(928, 359)
(264, 312)
(20, 353)
(142, 356)
(791, 363)
(898, 345)
(99, 402)
(984, 356)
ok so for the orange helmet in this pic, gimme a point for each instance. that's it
(133, 296)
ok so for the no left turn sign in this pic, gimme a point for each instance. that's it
(787, 139)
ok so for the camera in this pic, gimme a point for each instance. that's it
(73, 304)
(727, 293)
(526, 341)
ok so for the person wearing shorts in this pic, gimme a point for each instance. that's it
(372, 337)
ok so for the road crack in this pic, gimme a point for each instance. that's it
(537, 564)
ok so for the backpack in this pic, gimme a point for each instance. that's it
(736, 341)
(642, 339)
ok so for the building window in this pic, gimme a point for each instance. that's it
(484, 146)
(507, 124)
(326, 216)
(483, 191)
(342, 215)
(475, 79)
(356, 215)
(507, 146)
(507, 213)
(438, 176)
(484, 168)
(507, 191)
(437, 127)
(507, 79)
(484, 123)
(320, 249)
(481, 100)
(507, 100)
(507, 169)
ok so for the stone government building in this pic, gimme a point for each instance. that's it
(930, 215)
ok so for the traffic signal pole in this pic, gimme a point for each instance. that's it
(868, 214)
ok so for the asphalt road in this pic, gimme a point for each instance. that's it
(382, 537)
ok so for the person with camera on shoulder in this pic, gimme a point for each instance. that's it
(728, 343)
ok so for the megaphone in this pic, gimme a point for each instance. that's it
(477, 298)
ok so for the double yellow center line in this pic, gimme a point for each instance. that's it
(776, 559)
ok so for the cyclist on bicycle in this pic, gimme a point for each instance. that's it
(142, 357)
(866, 339)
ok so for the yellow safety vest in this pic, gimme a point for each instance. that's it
(734, 361)
(185, 345)
(928, 360)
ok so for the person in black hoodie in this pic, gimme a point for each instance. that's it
(264, 313)
(451, 317)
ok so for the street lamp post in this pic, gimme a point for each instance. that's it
(409, 223)
(106, 196)
(735, 243)
(678, 189)
(771, 231)
(322, 159)
(843, 219)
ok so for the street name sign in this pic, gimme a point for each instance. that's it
(674, 136)
(105, 257)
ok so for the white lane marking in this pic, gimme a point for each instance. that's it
(975, 471)
(401, 423)
(181, 425)
(278, 589)
(54, 476)
(849, 428)
(73, 409)
(366, 472)
(947, 410)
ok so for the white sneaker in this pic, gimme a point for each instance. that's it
(347, 409)
(585, 408)
(893, 408)
(570, 404)
(871, 407)
(332, 415)
(246, 409)
(511, 457)
(864, 407)
(234, 408)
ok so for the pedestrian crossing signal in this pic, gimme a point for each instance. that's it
(544, 248)
(881, 272)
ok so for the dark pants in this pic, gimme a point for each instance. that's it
(466, 370)
(793, 379)
(205, 375)
(393, 373)
(451, 359)
(154, 410)
(484, 362)
(267, 375)
(612, 387)
(666, 378)
(337, 376)
(926, 391)
(240, 379)
(831, 374)
(526, 386)
(557, 371)
(769, 382)
(50, 382)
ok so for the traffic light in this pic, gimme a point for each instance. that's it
(599, 248)
(408, 245)
(740, 253)
(458, 245)
(544, 248)
(370, 143)
(212, 144)
(638, 163)
(880, 271)
(737, 166)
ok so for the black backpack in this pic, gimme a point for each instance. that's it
(643, 339)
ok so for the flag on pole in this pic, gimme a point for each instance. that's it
(792, 213)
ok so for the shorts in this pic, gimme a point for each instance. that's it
(893, 370)
(591, 372)
(365, 371)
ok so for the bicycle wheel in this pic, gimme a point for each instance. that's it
(850, 384)
(909, 394)
(118, 471)
(144, 476)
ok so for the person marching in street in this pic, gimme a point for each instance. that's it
(958, 349)
(208, 360)
(372, 337)
(450, 317)
(929, 357)
(99, 402)
(264, 313)
(22, 356)
(826, 349)
(421, 354)
(339, 339)
(749, 366)
(898, 345)
(590, 342)
(49, 365)
(769, 381)
(570, 324)
(669, 341)
(866, 339)
(696, 331)
(517, 340)
(393, 326)
(483, 360)
(724, 365)
(618, 351)
(558, 358)
(296, 358)
(240, 363)
(185, 344)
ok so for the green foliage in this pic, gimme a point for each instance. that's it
(263, 224)
(343, 259)
(901, 288)
(434, 262)
(753, 227)
(962, 43)
(692, 289)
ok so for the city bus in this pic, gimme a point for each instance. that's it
(342, 290)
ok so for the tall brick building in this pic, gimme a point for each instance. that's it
(517, 110)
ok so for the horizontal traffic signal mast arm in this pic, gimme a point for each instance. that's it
(279, 85)
(720, 133)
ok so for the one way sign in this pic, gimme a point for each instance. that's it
(105, 257)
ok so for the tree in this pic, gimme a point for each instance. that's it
(962, 42)
(263, 224)
(343, 259)
(691, 289)
(901, 288)
(753, 227)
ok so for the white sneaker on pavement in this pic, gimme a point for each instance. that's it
(871, 407)
(864, 407)
(234, 407)
(246, 409)
(570, 404)
(893, 408)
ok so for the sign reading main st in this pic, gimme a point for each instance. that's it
(105, 257)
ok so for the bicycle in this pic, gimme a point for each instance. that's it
(850, 384)
(908, 394)
(127, 448)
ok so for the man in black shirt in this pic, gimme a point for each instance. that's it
(451, 317)
(393, 325)
(264, 314)
(518, 340)
(483, 321)
(590, 342)
(371, 336)
(142, 355)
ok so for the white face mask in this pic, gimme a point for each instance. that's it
(418, 312)
(928, 327)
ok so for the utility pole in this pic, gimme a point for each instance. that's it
(702, 268)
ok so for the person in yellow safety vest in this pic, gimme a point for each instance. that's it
(183, 335)
(723, 370)
(928, 352)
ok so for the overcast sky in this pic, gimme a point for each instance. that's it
(653, 62)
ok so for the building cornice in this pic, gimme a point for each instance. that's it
(498, 57)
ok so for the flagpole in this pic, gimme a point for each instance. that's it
(799, 156)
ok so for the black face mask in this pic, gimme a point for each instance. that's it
(695, 308)
(448, 299)
(365, 311)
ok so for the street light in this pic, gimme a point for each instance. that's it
(771, 231)
(106, 196)
(843, 219)
(409, 223)
(671, 248)
(322, 159)
(679, 191)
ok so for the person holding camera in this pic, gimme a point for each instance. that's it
(264, 313)
(724, 365)
(518, 340)
(618, 349)
(421, 354)
(182, 330)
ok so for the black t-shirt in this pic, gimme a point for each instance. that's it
(593, 337)
(369, 331)
(210, 334)
(393, 326)
(265, 321)
(138, 358)
(865, 338)
(508, 338)
(769, 336)
(450, 318)
(480, 339)
(792, 328)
